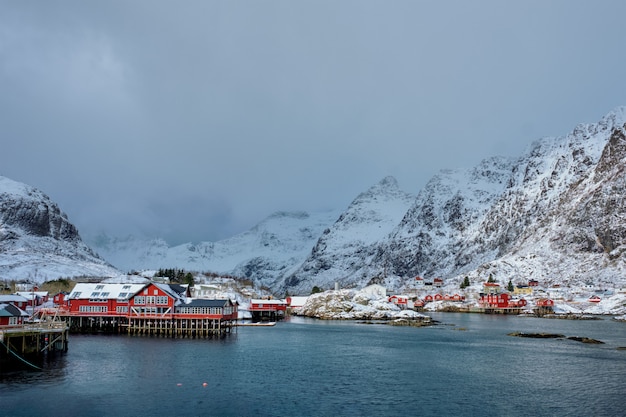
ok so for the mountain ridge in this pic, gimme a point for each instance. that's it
(557, 213)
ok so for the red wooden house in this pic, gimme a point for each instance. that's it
(17, 300)
(11, 315)
(267, 309)
(544, 302)
(399, 300)
(494, 300)
(428, 299)
(59, 298)
(35, 298)
(458, 297)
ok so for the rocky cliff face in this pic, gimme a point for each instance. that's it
(37, 242)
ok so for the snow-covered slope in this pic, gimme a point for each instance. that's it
(352, 242)
(556, 214)
(265, 253)
(563, 217)
(37, 242)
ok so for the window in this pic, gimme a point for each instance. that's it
(95, 294)
(156, 292)
(140, 299)
(93, 309)
(150, 299)
(126, 287)
(99, 287)
(12, 321)
(104, 295)
(122, 309)
(123, 295)
(76, 294)
(161, 300)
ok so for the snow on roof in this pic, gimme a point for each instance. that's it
(258, 301)
(105, 291)
(13, 298)
(31, 294)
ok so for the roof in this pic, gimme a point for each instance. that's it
(9, 310)
(13, 298)
(179, 289)
(105, 291)
(173, 290)
(279, 302)
(32, 294)
(201, 302)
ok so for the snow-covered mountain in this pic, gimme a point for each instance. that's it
(556, 214)
(353, 240)
(265, 253)
(37, 242)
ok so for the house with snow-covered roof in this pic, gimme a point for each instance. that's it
(17, 300)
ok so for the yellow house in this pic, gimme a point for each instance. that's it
(522, 290)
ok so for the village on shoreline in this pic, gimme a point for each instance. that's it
(373, 302)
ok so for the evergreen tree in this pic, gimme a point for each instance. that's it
(510, 286)
(189, 279)
(465, 283)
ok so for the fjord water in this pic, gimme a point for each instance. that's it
(466, 366)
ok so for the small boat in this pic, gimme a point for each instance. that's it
(595, 299)
(259, 324)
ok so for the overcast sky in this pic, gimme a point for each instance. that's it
(194, 120)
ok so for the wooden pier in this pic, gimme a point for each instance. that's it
(151, 326)
(33, 340)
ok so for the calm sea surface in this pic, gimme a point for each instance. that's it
(467, 366)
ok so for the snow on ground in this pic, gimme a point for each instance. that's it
(353, 304)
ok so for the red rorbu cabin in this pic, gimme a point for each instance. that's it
(267, 310)
(10, 315)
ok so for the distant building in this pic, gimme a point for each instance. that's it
(399, 300)
(491, 288)
(296, 303)
(522, 289)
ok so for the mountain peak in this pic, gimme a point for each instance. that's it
(38, 242)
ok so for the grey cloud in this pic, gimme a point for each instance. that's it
(244, 108)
